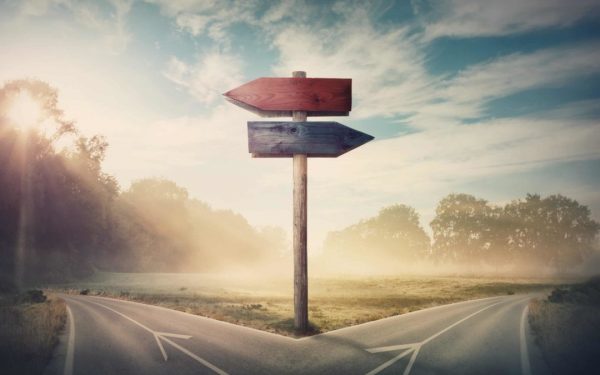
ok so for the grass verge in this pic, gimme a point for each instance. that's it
(267, 304)
(566, 326)
(29, 327)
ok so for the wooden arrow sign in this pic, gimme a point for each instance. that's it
(277, 97)
(298, 97)
(314, 139)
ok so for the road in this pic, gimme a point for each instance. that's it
(108, 336)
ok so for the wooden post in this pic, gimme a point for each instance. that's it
(300, 219)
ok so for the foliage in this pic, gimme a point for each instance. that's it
(587, 293)
(53, 204)
(461, 229)
(33, 296)
(162, 229)
(392, 237)
(62, 216)
(532, 233)
(555, 231)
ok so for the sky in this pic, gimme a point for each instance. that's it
(492, 98)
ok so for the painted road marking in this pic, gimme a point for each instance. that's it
(163, 336)
(390, 362)
(525, 364)
(68, 369)
(414, 348)
(390, 348)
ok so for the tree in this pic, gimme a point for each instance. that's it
(387, 241)
(554, 231)
(53, 205)
(61, 215)
(164, 230)
(463, 229)
(535, 232)
(155, 225)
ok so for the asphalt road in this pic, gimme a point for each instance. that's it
(107, 336)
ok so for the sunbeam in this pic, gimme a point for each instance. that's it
(24, 111)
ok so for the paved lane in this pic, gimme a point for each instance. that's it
(474, 337)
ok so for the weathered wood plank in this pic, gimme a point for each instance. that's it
(300, 164)
(275, 97)
(314, 139)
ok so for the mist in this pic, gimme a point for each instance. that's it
(531, 236)
(64, 218)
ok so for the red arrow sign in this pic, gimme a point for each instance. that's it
(271, 97)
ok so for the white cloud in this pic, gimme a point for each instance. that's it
(111, 28)
(471, 18)
(279, 11)
(175, 7)
(389, 75)
(209, 17)
(193, 23)
(211, 75)
(509, 74)
(466, 95)
(36, 7)
(453, 154)
(118, 36)
(181, 142)
(420, 168)
(387, 68)
(387, 64)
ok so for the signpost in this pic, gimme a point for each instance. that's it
(298, 97)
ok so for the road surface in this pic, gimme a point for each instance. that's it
(108, 336)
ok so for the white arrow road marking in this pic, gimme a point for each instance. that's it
(391, 348)
(163, 336)
(395, 359)
(414, 348)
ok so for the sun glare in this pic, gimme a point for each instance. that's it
(24, 111)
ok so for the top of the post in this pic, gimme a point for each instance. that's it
(299, 115)
(299, 74)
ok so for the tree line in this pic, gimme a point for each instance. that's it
(62, 216)
(553, 232)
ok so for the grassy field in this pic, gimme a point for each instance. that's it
(29, 329)
(267, 304)
(567, 328)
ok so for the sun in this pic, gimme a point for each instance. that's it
(24, 111)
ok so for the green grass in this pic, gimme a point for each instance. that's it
(29, 330)
(267, 304)
(567, 328)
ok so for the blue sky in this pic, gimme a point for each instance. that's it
(492, 98)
